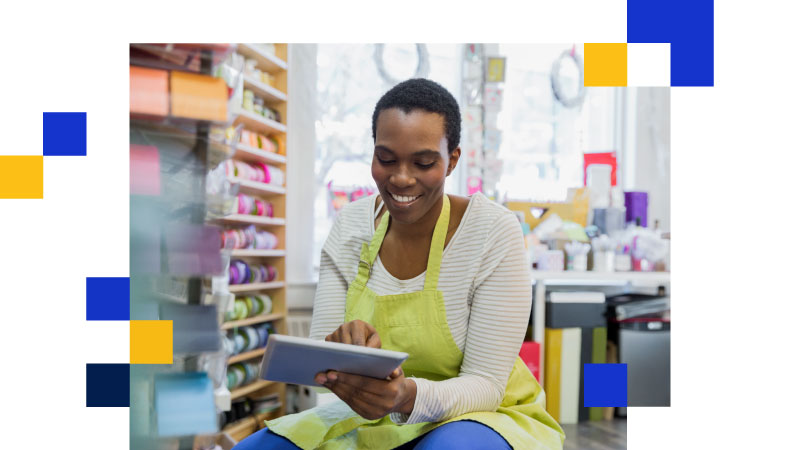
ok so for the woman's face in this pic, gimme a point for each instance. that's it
(411, 161)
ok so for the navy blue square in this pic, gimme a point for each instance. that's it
(108, 385)
(64, 134)
(108, 298)
(605, 385)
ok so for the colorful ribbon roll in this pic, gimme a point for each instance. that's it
(248, 238)
(253, 206)
(248, 338)
(241, 373)
(242, 273)
(245, 307)
(259, 172)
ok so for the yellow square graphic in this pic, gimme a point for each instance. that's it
(605, 64)
(21, 176)
(151, 342)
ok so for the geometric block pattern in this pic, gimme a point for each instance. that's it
(108, 385)
(605, 64)
(108, 298)
(21, 176)
(605, 385)
(686, 26)
(151, 342)
(64, 133)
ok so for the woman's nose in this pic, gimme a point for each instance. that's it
(402, 179)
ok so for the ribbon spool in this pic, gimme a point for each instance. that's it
(243, 273)
(259, 172)
(253, 206)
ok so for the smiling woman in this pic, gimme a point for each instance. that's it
(441, 277)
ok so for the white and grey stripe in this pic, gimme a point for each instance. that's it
(486, 284)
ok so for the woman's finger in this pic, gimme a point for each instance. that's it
(357, 334)
(374, 340)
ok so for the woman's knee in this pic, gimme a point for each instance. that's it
(464, 434)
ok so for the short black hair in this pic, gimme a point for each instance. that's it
(427, 95)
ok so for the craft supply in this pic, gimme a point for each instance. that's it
(242, 272)
(602, 254)
(577, 255)
(260, 172)
(636, 208)
(253, 206)
(551, 260)
(248, 238)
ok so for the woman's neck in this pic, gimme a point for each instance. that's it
(421, 229)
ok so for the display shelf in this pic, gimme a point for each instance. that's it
(256, 155)
(251, 287)
(266, 61)
(184, 57)
(252, 320)
(256, 188)
(257, 123)
(243, 253)
(239, 219)
(250, 388)
(246, 355)
(263, 90)
(598, 278)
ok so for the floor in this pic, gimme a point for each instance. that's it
(599, 435)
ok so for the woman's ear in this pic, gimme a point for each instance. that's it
(453, 160)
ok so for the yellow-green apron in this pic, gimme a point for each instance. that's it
(416, 323)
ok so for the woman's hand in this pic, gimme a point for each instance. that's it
(369, 397)
(356, 332)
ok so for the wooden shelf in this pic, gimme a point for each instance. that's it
(266, 61)
(252, 154)
(242, 253)
(251, 287)
(251, 320)
(239, 219)
(263, 90)
(250, 388)
(246, 355)
(249, 425)
(256, 188)
(258, 123)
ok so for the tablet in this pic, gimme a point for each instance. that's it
(296, 360)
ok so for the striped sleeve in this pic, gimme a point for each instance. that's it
(499, 314)
(330, 296)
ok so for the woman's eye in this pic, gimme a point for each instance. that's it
(425, 166)
(385, 161)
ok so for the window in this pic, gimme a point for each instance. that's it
(543, 141)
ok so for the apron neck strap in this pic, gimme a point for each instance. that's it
(437, 245)
(370, 252)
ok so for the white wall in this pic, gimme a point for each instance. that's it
(646, 149)
(300, 152)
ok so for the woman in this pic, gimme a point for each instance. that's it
(441, 277)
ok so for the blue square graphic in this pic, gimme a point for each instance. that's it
(64, 134)
(605, 385)
(108, 385)
(108, 298)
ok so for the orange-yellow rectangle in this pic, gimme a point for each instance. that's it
(198, 96)
(151, 342)
(605, 64)
(21, 176)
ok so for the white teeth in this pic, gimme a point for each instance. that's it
(404, 199)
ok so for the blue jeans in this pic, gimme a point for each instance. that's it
(465, 434)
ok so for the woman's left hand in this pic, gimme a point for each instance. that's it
(370, 397)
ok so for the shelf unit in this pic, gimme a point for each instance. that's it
(275, 97)
(542, 279)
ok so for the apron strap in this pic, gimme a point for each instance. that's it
(369, 253)
(437, 245)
